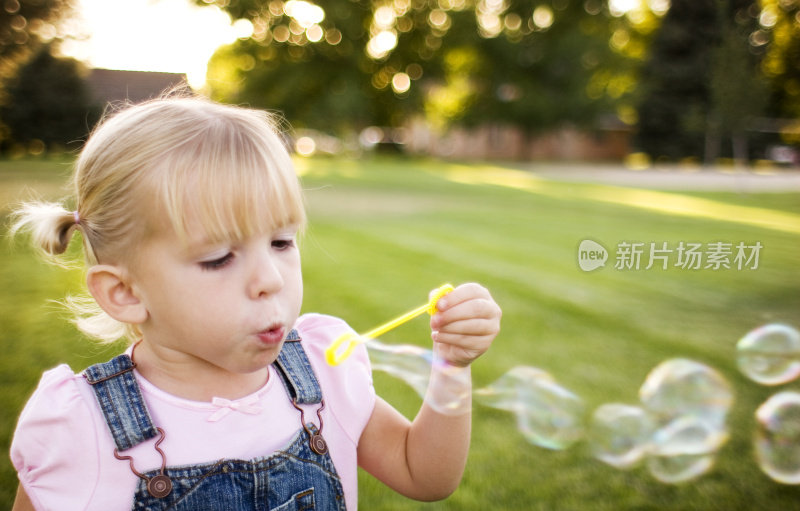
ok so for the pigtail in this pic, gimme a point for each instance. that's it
(49, 224)
(51, 227)
(93, 321)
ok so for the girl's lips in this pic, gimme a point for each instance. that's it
(272, 335)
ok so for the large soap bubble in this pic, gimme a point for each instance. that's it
(680, 387)
(620, 434)
(689, 402)
(770, 354)
(777, 439)
(548, 415)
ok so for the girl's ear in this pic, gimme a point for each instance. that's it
(111, 287)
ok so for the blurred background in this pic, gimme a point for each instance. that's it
(489, 141)
(641, 81)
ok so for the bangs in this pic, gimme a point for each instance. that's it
(235, 179)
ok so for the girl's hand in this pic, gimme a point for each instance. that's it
(465, 325)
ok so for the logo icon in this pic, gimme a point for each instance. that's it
(591, 255)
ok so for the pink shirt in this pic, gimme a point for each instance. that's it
(63, 450)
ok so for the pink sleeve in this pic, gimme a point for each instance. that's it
(347, 385)
(54, 449)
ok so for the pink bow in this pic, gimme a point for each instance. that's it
(248, 405)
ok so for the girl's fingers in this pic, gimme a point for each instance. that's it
(462, 293)
(481, 309)
(470, 327)
(467, 321)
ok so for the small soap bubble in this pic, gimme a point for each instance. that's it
(450, 391)
(680, 387)
(548, 415)
(619, 434)
(414, 365)
(770, 354)
(684, 449)
(777, 439)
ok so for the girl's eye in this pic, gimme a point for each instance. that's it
(216, 264)
(283, 244)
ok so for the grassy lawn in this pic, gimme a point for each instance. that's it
(383, 232)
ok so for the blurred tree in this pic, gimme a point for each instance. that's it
(631, 33)
(738, 90)
(530, 65)
(25, 22)
(49, 105)
(674, 81)
(686, 72)
(779, 31)
(335, 64)
(310, 69)
(701, 80)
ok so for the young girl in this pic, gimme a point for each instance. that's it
(189, 213)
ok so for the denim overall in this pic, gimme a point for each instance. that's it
(301, 476)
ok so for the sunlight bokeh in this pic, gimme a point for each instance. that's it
(143, 35)
(178, 36)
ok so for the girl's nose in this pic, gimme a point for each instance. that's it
(265, 277)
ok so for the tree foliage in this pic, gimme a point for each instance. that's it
(315, 84)
(780, 33)
(737, 91)
(686, 73)
(674, 81)
(49, 102)
(23, 23)
(703, 82)
(368, 62)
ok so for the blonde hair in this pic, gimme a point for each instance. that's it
(149, 160)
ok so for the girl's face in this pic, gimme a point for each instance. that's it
(223, 306)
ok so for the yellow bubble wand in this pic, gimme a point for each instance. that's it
(335, 354)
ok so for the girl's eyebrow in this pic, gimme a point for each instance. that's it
(196, 246)
(287, 228)
(203, 243)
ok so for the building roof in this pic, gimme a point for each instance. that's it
(111, 85)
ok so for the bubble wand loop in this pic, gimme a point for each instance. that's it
(334, 354)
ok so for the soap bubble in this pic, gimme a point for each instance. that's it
(684, 449)
(777, 439)
(411, 364)
(503, 394)
(548, 415)
(679, 468)
(679, 429)
(619, 434)
(415, 365)
(687, 435)
(679, 387)
(770, 354)
(689, 402)
(450, 388)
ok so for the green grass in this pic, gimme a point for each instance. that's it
(383, 232)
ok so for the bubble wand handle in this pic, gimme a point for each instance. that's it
(391, 325)
(336, 354)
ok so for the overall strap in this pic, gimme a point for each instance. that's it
(121, 402)
(296, 372)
